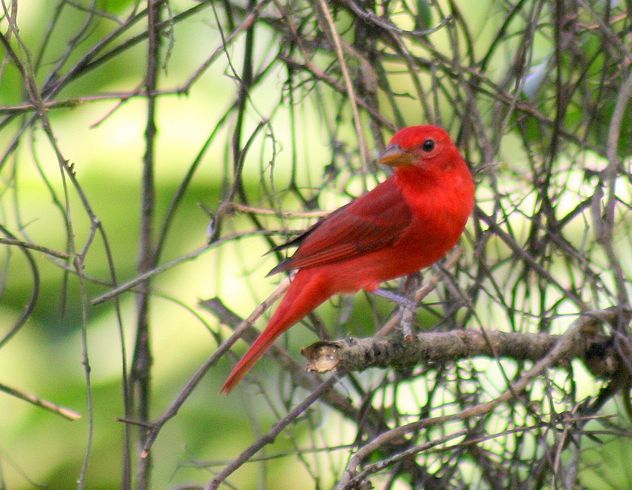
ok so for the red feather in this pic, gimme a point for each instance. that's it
(407, 222)
(371, 222)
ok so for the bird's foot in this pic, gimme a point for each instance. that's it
(402, 301)
(407, 304)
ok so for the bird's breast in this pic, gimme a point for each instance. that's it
(439, 214)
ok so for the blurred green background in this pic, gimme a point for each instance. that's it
(104, 142)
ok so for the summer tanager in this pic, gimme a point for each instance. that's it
(407, 222)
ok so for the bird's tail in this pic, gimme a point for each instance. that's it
(305, 293)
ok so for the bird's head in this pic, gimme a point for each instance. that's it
(419, 146)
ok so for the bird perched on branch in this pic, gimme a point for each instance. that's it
(409, 221)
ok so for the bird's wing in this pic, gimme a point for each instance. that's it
(373, 221)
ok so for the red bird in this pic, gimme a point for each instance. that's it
(409, 221)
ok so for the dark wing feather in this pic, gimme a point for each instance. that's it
(373, 221)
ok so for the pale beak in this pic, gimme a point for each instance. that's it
(394, 156)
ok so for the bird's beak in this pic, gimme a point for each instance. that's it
(394, 156)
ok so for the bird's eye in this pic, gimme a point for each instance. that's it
(428, 145)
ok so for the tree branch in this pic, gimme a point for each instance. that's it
(561, 349)
(594, 348)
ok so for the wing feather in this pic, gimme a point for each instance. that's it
(371, 222)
